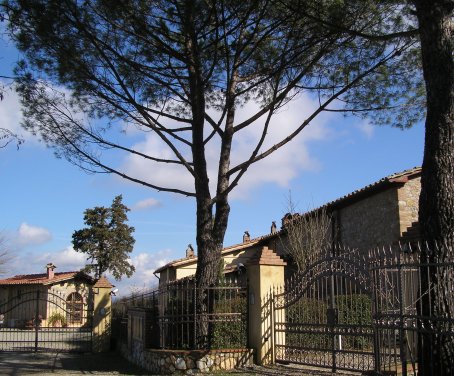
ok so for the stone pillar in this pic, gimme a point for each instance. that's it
(102, 312)
(265, 271)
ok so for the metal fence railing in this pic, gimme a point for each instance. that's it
(390, 311)
(413, 287)
(181, 316)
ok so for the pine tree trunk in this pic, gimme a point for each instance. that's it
(436, 206)
(209, 248)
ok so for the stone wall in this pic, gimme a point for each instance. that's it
(370, 222)
(408, 197)
(181, 362)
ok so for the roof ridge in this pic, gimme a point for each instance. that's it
(387, 179)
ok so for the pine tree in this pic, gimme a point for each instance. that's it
(107, 240)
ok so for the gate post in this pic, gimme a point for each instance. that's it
(102, 313)
(265, 271)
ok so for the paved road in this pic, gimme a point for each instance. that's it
(22, 363)
(46, 364)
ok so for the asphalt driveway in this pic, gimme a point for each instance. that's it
(23, 363)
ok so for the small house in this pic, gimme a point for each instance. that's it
(53, 298)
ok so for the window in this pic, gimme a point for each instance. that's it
(74, 308)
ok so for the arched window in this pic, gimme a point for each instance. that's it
(74, 308)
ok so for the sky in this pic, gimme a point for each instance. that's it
(42, 198)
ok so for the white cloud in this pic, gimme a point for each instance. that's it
(366, 129)
(146, 204)
(10, 110)
(11, 115)
(65, 260)
(163, 175)
(279, 168)
(143, 278)
(286, 163)
(69, 259)
(34, 262)
(32, 235)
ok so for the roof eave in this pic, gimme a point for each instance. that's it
(225, 251)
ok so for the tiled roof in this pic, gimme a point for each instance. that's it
(41, 279)
(398, 178)
(384, 183)
(225, 251)
(103, 282)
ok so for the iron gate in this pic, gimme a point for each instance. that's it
(323, 316)
(43, 320)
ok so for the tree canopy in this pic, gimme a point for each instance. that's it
(107, 240)
(181, 69)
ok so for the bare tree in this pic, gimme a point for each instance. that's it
(305, 234)
(5, 255)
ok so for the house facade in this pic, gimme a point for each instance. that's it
(59, 298)
(380, 214)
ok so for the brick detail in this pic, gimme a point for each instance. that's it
(267, 256)
(412, 234)
(103, 282)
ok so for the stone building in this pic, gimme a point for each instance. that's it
(380, 214)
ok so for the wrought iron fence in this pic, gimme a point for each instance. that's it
(175, 320)
(390, 310)
(45, 320)
(323, 315)
(413, 288)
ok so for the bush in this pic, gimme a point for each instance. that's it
(353, 309)
(306, 311)
(230, 332)
(57, 319)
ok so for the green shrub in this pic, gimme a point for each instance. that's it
(229, 328)
(306, 311)
(56, 318)
(353, 309)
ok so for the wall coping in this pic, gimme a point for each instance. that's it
(267, 256)
(196, 352)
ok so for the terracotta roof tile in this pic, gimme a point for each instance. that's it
(359, 194)
(37, 279)
(267, 256)
(227, 250)
(41, 279)
(399, 177)
(103, 282)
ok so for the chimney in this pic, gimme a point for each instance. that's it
(190, 251)
(273, 227)
(246, 237)
(50, 270)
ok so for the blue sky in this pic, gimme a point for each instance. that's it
(43, 198)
